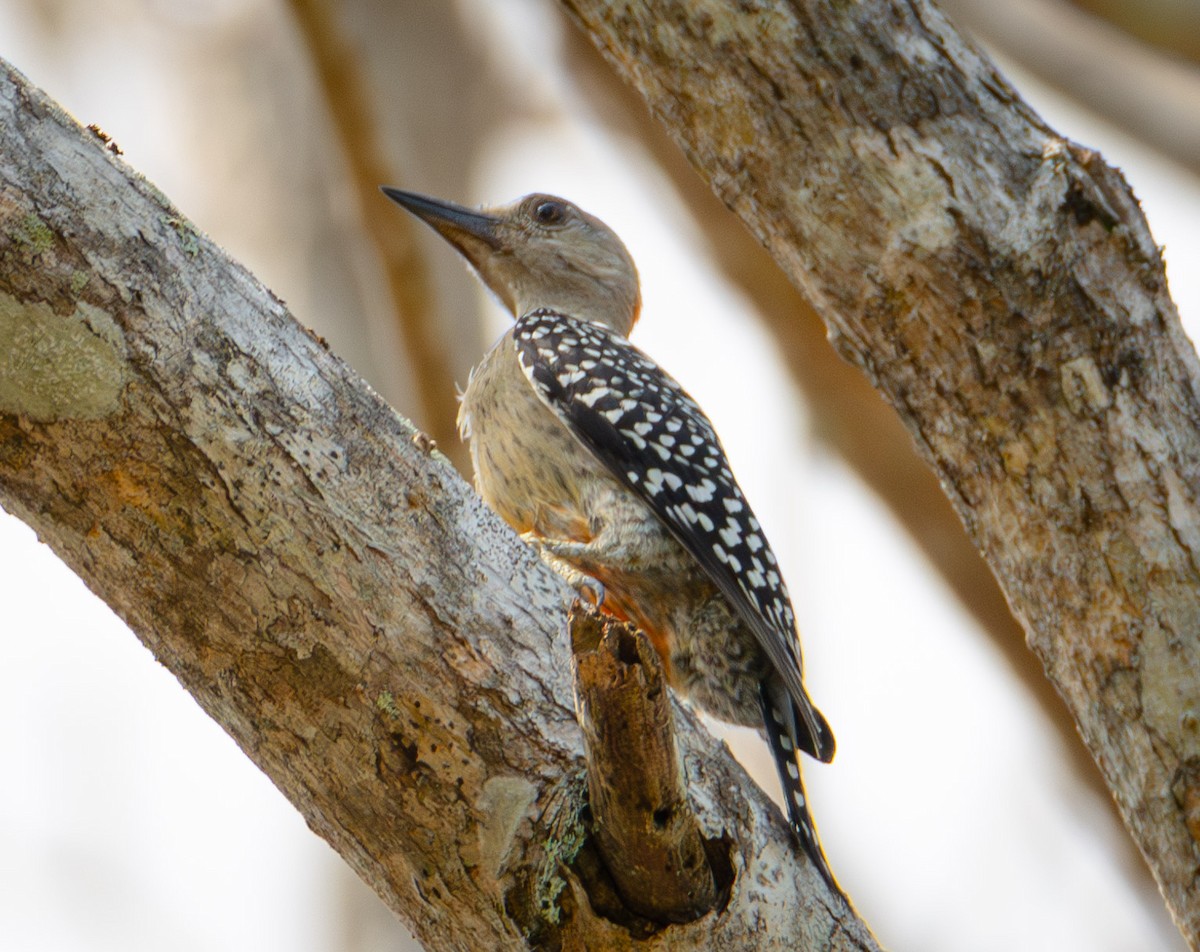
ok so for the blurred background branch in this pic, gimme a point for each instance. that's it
(1137, 67)
(1170, 26)
(338, 69)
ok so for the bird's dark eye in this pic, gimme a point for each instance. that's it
(549, 213)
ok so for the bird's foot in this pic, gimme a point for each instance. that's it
(556, 553)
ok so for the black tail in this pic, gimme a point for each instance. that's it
(780, 728)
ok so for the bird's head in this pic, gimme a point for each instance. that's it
(540, 251)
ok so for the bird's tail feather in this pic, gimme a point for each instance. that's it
(780, 721)
(816, 738)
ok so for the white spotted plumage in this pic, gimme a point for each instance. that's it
(621, 409)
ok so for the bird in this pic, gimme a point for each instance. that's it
(598, 457)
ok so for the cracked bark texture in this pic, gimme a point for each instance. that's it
(999, 286)
(321, 581)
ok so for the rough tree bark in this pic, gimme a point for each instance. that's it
(324, 584)
(849, 418)
(999, 285)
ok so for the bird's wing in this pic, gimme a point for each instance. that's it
(647, 431)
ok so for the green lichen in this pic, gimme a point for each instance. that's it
(386, 702)
(189, 238)
(34, 234)
(78, 282)
(55, 366)
(568, 833)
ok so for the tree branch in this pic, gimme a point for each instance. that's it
(999, 285)
(849, 417)
(1170, 26)
(645, 830)
(325, 586)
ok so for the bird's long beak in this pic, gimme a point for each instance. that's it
(464, 228)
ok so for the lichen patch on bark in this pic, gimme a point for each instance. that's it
(55, 366)
(506, 801)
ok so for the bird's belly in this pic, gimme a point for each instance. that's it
(531, 470)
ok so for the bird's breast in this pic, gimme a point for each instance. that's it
(528, 466)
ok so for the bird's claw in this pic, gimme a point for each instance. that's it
(591, 589)
(552, 552)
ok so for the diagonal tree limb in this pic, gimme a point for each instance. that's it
(999, 286)
(849, 417)
(325, 586)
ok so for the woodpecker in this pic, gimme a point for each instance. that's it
(597, 456)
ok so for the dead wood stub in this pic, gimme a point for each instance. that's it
(643, 827)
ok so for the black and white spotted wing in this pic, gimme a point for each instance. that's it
(653, 437)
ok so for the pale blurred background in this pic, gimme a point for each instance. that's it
(959, 813)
